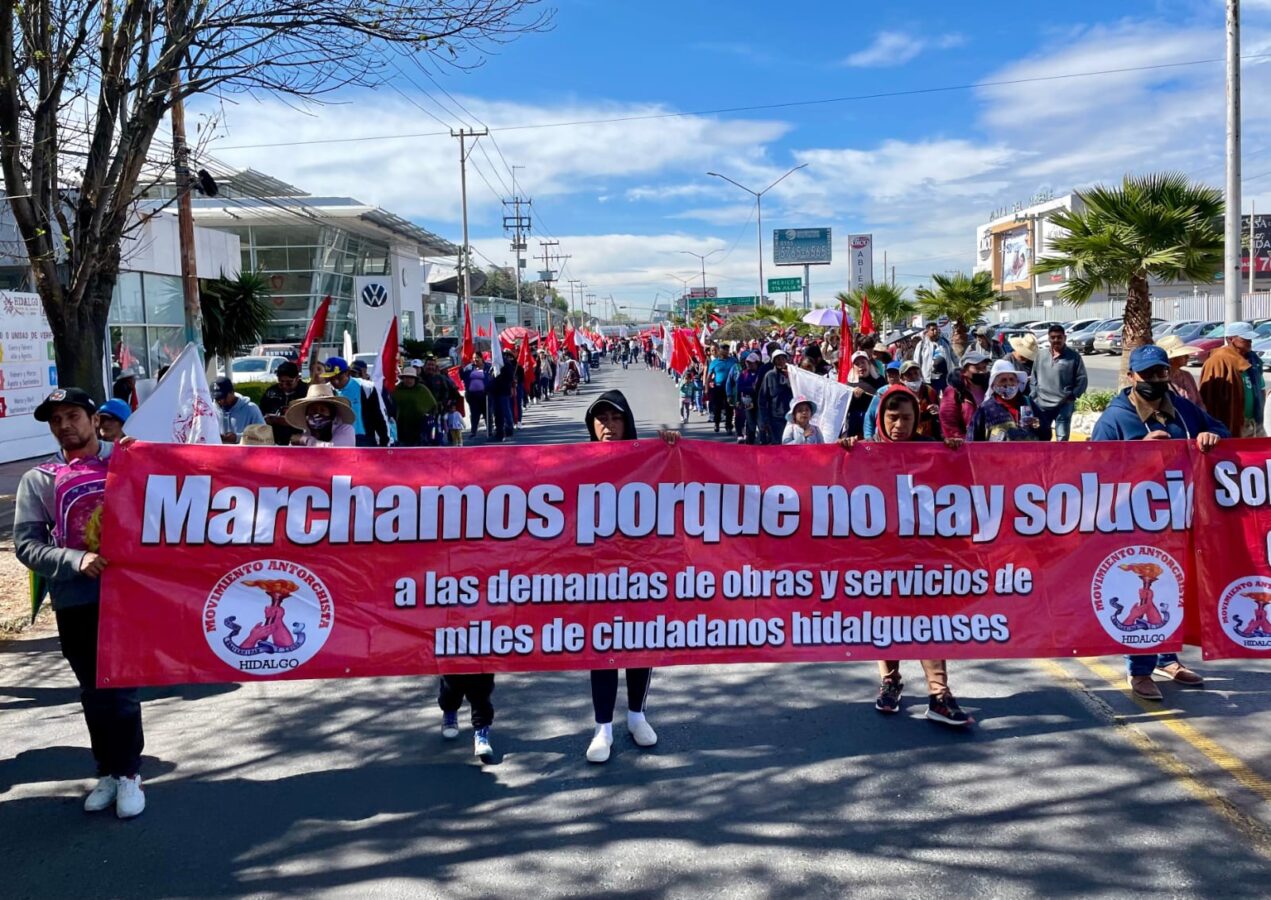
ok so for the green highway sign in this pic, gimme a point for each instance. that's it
(694, 302)
(784, 285)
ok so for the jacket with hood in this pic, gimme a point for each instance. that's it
(618, 401)
(1179, 418)
(893, 392)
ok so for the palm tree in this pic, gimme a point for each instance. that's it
(1152, 226)
(701, 312)
(236, 312)
(888, 305)
(963, 299)
(759, 312)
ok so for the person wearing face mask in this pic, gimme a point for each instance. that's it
(967, 389)
(909, 374)
(1005, 414)
(1149, 410)
(899, 412)
(864, 380)
(323, 419)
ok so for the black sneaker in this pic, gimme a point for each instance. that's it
(944, 709)
(889, 696)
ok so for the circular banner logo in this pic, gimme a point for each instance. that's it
(1137, 594)
(268, 617)
(1243, 614)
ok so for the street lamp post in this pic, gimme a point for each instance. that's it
(758, 195)
(684, 290)
(701, 257)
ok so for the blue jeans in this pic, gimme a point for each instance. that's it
(1060, 418)
(1145, 663)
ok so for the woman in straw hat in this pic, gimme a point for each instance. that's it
(1179, 378)
(325, 419)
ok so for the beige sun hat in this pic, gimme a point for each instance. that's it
(1173, 345)
(319, 392)
(257, 436)
(1025, 345)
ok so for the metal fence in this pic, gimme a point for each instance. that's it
(1201, 307)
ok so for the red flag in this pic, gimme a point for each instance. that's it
(867, 321)
(717, 319)
(680, 356)
(386, 365)
(469, 346)
(570, 344)
(553, 343)
(316, 329)
(526, 361)
(845, 344)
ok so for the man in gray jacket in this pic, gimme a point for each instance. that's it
(934, 354)
(56, 532)
(1057, 380)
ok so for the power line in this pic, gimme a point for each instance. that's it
(789, 104)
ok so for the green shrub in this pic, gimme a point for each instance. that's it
(1095, 401)
(253, 390)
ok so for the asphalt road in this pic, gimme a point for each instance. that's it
(768, 781)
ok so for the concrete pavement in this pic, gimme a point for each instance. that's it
(768, 780)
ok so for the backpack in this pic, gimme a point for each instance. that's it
(79, 486)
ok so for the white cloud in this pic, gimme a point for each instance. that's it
(895, 48)
(417, 177)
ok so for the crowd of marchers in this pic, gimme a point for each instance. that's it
(904, 388)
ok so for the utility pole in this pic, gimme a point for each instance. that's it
(1231, 261)
(185, 219)
(463, 134)
(519, 226)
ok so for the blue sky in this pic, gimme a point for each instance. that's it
(918, 171)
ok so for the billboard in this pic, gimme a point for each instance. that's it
(28, 372)
(375, 306)
(1015, 255)
(801, 247)
(1260, 226)
(708, 293)
(861, 247)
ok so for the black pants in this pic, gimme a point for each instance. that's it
(451, 689)
(477, 409)
(604, 691)
(113, 714)
(721, 407)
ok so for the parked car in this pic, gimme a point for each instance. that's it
(1040, 328)
(1174, 328)
(255, 368)
(370, 359)
(286, 351)
(1198, 331)
(1110, 341)
(1077, 325)
(1083, 341)
(1003, 336)
(1207, 345)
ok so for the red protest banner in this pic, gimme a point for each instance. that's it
(1233, 549)
(231, 564)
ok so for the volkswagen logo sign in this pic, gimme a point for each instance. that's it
(374, 295)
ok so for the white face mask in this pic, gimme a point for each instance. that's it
(1007, 393)
(913, 385)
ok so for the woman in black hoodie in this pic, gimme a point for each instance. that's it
(609, 418)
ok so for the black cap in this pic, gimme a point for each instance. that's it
(222, 387)
(71, 396)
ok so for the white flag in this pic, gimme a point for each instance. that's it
(348, 347)
(830, 397)
(496, 345)
(180, 410)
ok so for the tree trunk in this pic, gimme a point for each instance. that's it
(1137, 320)
(960, 337)
(79, 345)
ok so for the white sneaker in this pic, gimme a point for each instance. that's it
(598, 749)
(103, 795)
(642, 733)
(131, 800)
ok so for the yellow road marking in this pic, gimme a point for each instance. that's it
(1257, 834)
(1210, 748)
